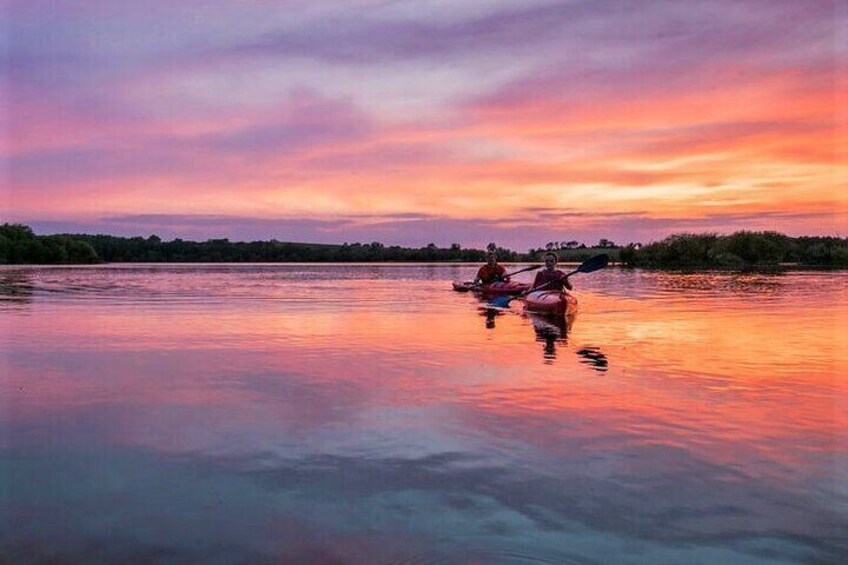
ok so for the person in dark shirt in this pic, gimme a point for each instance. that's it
(551, 278)
(491, 271)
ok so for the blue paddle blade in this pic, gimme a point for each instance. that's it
(501, 301)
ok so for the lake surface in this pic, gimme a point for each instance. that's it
(367, 414)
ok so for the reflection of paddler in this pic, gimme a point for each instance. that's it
(490, 314)
(594, 357)
(550, 330)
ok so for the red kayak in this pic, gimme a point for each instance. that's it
(510, 288)
(553, 302)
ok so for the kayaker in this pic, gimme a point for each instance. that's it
(491, 271)
(551, 278)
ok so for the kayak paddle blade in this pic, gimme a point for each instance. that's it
(595, 263)
(501, 301)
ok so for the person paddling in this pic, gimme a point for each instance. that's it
(551, 278)
(491, 271)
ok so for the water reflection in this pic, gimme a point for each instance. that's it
(551, 331)
(593, 357)
(490, 314)
(718, 284)
(255, 414)
(16, 286)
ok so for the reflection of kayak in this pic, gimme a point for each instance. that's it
(551, 302)
(510, 288)
(547, 326)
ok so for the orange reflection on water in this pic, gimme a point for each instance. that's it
(680, 404)
(719, 375)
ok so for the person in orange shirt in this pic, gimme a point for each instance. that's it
(491, 271)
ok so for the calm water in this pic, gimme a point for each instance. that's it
(368, 414)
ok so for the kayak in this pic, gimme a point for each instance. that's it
(510, 288)
(460, 286)
(553, 302)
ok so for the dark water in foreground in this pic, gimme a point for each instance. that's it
(367, 414)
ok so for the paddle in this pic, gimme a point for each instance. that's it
(506, 275)
(530, 268)
(588, 266)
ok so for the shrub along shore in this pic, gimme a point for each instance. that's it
(741, 250)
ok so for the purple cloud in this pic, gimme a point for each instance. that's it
(302, 121)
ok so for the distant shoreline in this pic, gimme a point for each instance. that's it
(754, 269)
(741, 251)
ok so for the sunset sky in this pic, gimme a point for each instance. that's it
(409, 122)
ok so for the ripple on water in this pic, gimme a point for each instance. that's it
(494, 553)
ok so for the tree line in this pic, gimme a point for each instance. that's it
(153, 249)
(574, 244)
(739, 250)
(19, 245)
